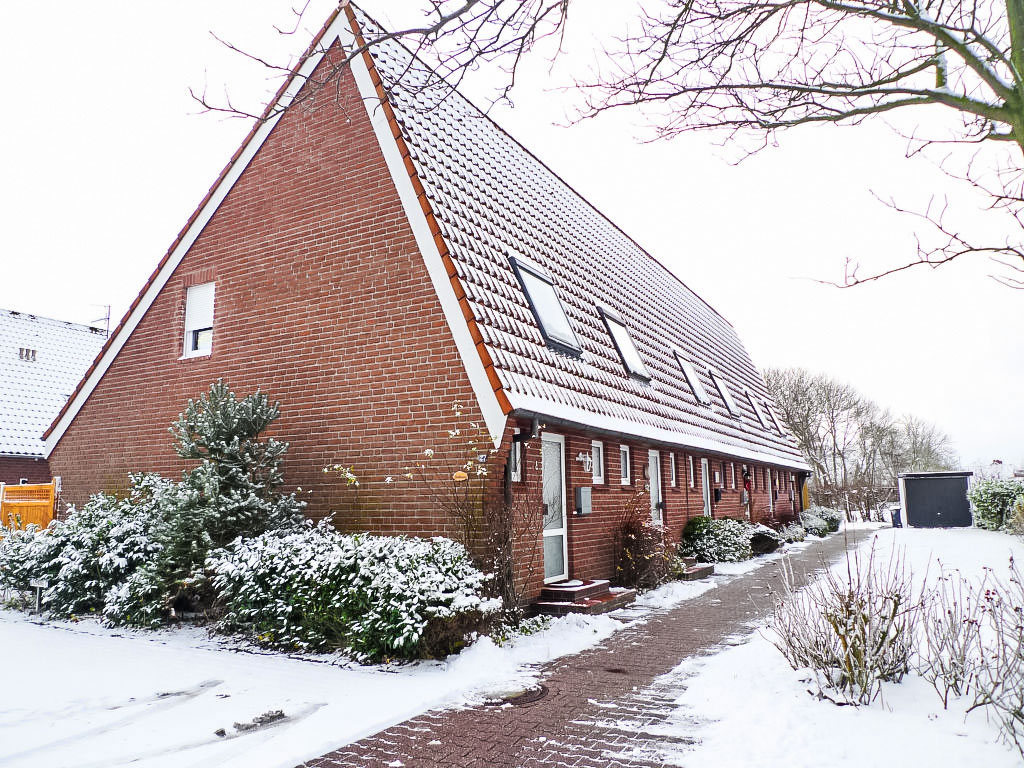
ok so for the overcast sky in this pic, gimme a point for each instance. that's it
(103, 156)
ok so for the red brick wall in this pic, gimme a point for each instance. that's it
(592, 538)
(323, 302)
(13, 469)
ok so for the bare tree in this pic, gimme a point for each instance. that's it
(754, 67)
(855, 448)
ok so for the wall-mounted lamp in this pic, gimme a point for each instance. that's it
(586, 460)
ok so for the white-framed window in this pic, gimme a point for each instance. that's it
(515, 460)
(690, 373)
(756, 406)
(547, 309)
(718, 477)
(693, 473)
(723, 390)
(732, 475)
(673, 480)
(199, 320)
(597, 457)
(624, 476)
(624, 343)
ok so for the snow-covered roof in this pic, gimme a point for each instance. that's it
(494, 201)
(41, 361)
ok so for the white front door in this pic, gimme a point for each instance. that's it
(556, 553)
(654, 477)
(705, 484)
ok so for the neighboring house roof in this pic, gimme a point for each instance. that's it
(475, 197)
(41, 361)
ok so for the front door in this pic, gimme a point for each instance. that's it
(556, 560)
(654, 477)
(705, 484)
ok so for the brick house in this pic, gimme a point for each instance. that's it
(380, 249)
(41, 360)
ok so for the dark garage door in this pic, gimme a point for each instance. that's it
(937, 502)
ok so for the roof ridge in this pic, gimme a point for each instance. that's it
(453, 91)
(32, 316)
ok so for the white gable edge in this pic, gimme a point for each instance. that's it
(339, 29)
(683, 440)
(494, 416)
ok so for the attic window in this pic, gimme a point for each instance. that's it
(624, 344)
(757, 410)
(26, 354)
(199, 320)
(693, 380)
(547, 309)
(774, 418)
(723, 390)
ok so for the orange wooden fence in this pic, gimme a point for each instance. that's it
(21, 505)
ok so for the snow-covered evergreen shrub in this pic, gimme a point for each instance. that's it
(378, 597)
(992, 501)
(139, 560)
(792, 533)
(833, 517)
(813, 524)
(723, 540)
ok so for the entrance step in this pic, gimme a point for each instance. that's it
(571, 590)
(694, 572)
(592, 596)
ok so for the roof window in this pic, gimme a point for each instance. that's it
(723, 390)
(546, 307)
(624, 344)
(693, 380)
(774, 418)
(757, 410)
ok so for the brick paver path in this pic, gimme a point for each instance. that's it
(604, 706)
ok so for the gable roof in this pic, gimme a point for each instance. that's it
(493, 201)
(35, 385)
(474, 198)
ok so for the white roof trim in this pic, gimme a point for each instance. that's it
(643, 431)
(493, 415)
(339, 30)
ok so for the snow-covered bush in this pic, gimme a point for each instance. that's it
(377, 597)
(139, 559)
(813, 524)
(833, 517)
(723, 540)
(853, 628)
(792, 533)
(764, 540)
(993, 500)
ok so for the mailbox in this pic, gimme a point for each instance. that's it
(583, 503)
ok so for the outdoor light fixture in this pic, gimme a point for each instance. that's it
(460, 476)
(586, 460)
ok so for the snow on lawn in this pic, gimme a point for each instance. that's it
(750, 691)
(80, 694)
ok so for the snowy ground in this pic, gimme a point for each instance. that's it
(750, 690)
(79, 694)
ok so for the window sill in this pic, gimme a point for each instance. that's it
(196, 355)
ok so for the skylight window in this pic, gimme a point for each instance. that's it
(551, 318)
(774, 418)
(624, 344)
(693, 380)
(757, 410)
(723, 390)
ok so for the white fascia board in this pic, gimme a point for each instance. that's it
(646, 432)
(494, 417)
(191, 235)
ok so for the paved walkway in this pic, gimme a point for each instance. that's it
(603, 706)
